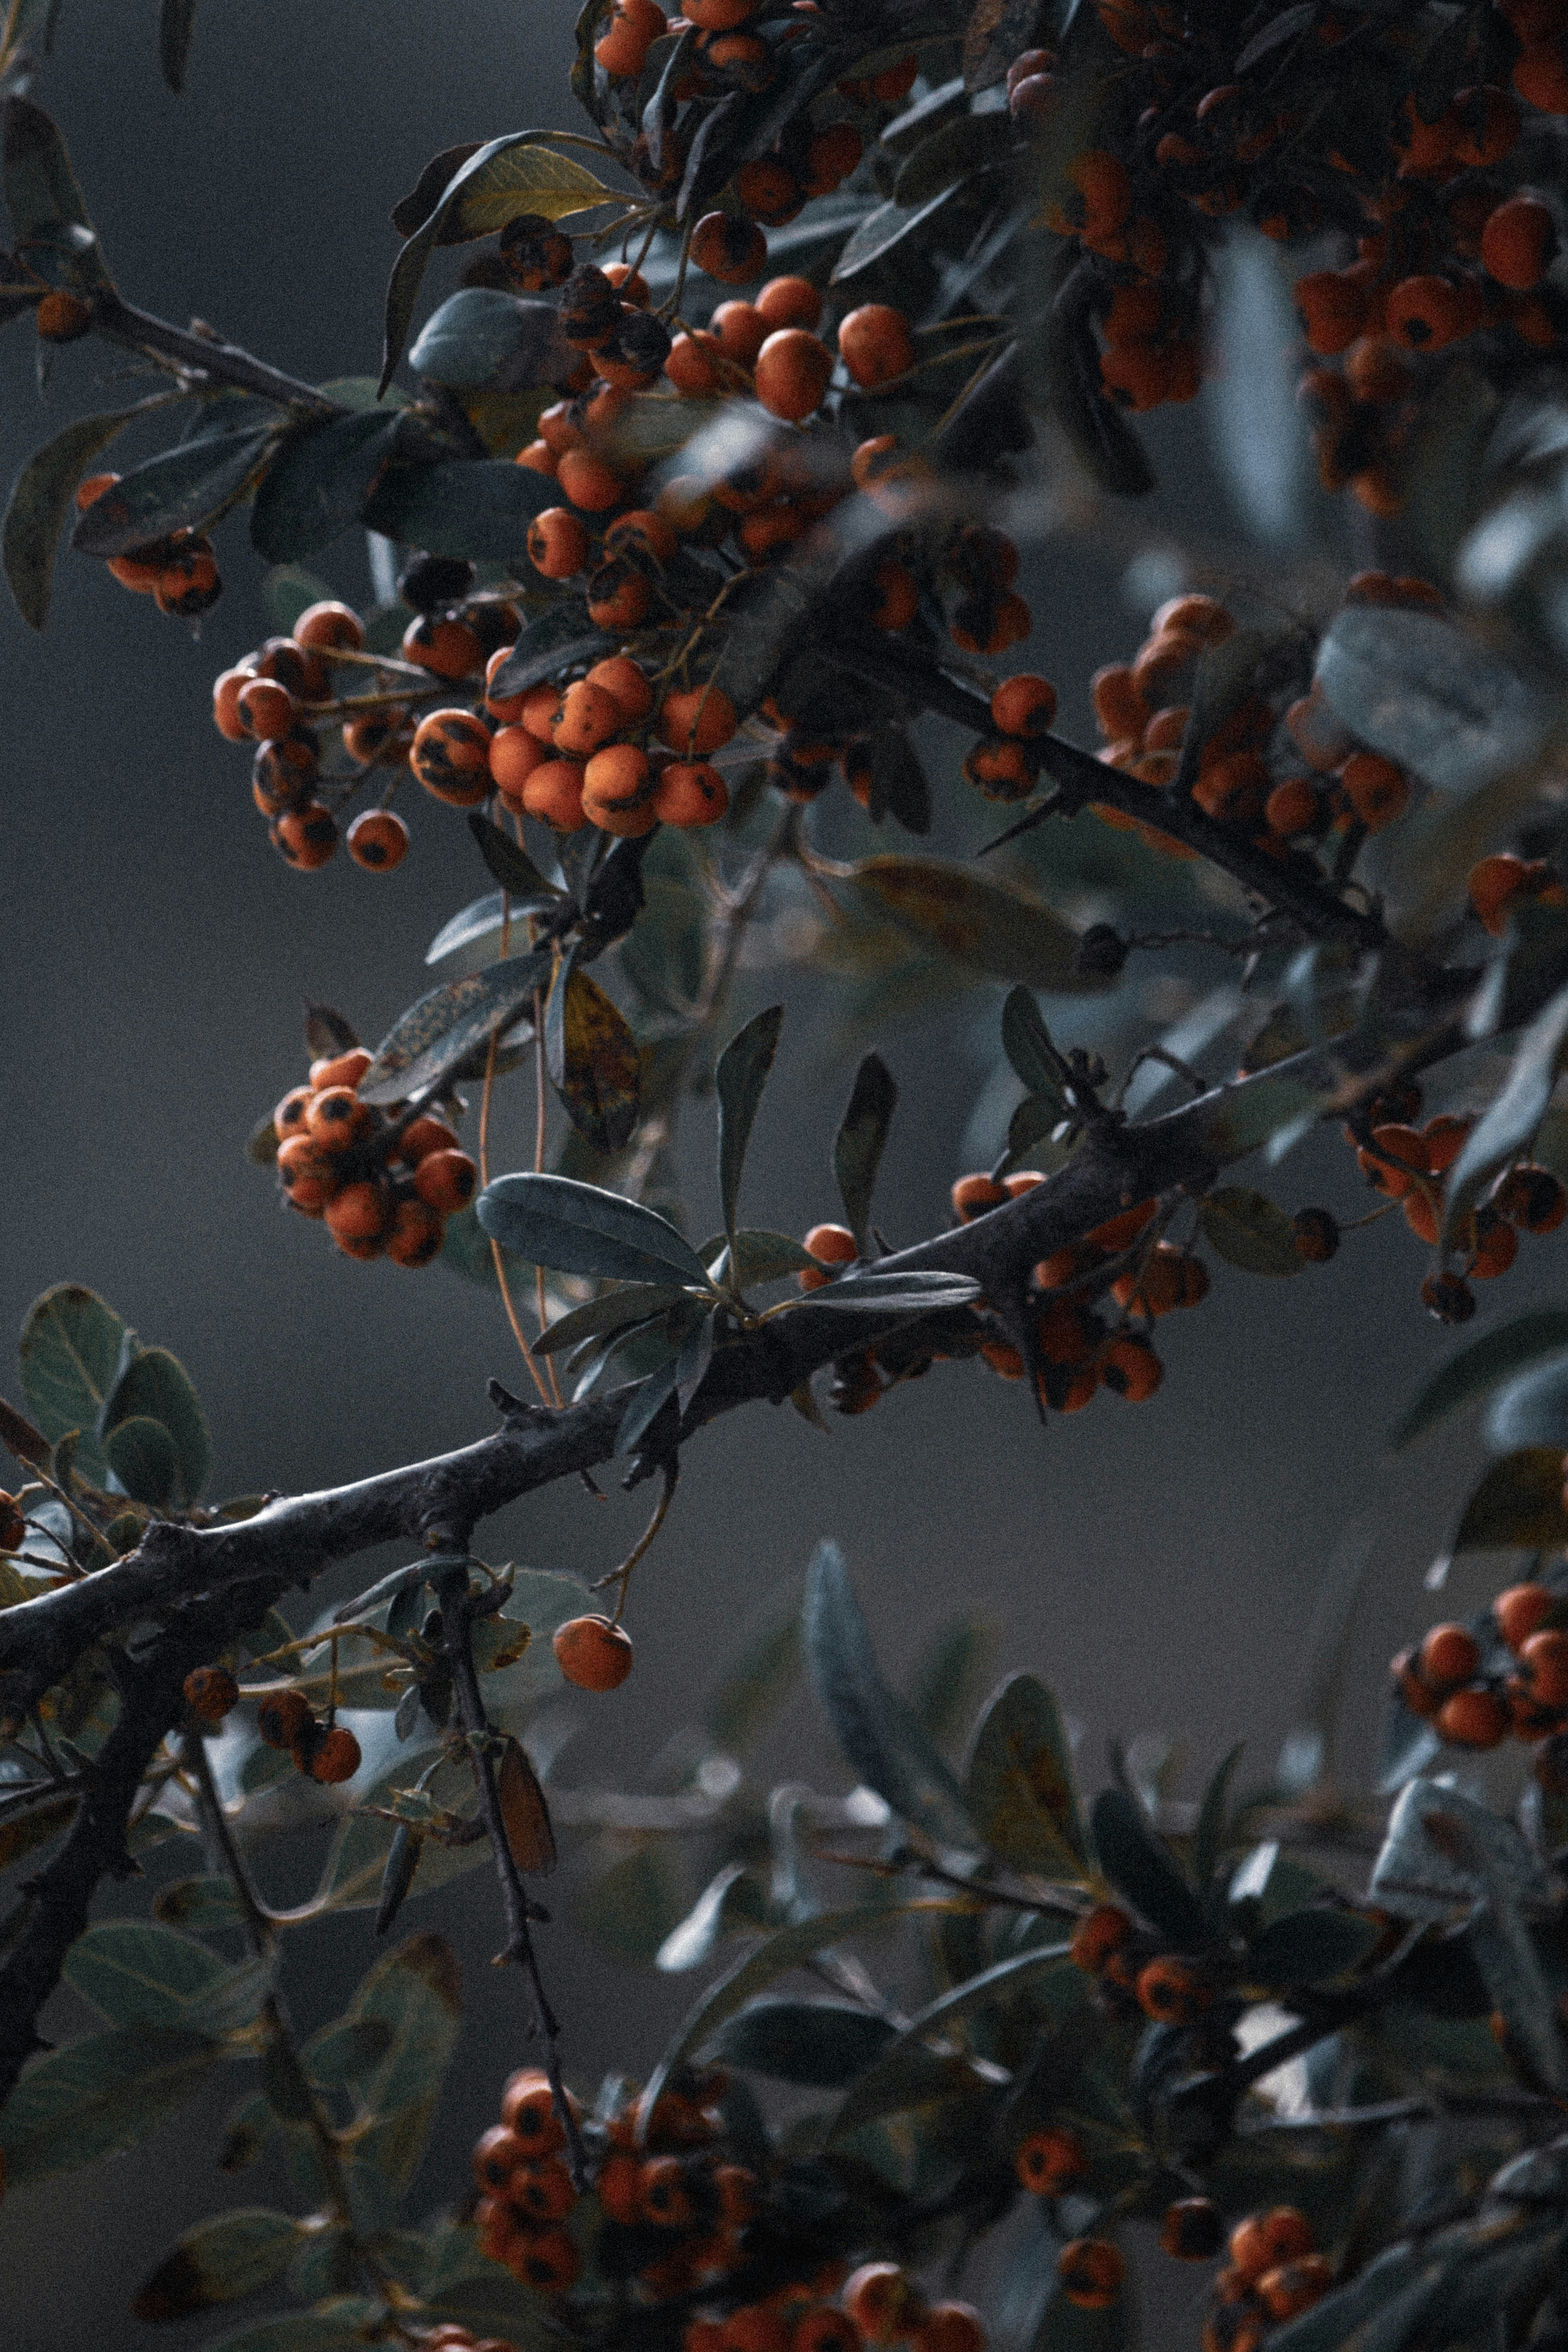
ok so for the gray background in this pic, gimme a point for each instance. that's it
(1159, 1566)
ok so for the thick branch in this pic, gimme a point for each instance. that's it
(207, 356)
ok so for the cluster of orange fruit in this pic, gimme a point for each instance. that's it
(1282, 770)
(1275, 2272)
(1475, 1694)
(179, 573)
(328, 1751)
(1136, 1974)
(384, 1185)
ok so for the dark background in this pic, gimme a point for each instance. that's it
(1160, 1567)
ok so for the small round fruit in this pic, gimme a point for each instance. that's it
(378, 840)
(1047, 2160)
(593, 1653)
(884, 2301)
(876, 345)
(334, 1756)
(211, 1691)
(451, 756)
(1193, 2230)
(1449, 1655)
(1283, 2234)
(446, 1180)
(1092, 2271)
(281, 1719)
(793, 371)
(329, 628)
(1521, 1612)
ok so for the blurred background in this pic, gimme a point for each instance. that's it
(1159, 1567)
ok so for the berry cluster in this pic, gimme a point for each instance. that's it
(179, 573)
(383, 1184)
(1507, 1671)
(328, 1751)
(1136, 1974)
(1275, 2272)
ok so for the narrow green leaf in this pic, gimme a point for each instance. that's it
(578, 1228)
(315, 489)
(156, 1384)
(756, 1256)
(857, 1147)
(1480, 1366)
(923, 1292)
(185, 489)
(1026, 1042)
(177, 28)
(740, 1077)
(1308, 1947)
(513, 869)
(478, 507)
(69, 1354)
(556, 642)
(1518, 1505)
(414, 1992)
(49, 211)
(203, 1903)
(645, 1405)
(217, 2262)
(347, 2052)
(592, 1058)
(1208, 1832)
(880, 231)
(874, 1729)
(731, 1901)
(997, 931)
(1250, 1230)
(1141, 1865)
(889, 2087)
(98, 2096)
(634, 1304)
(823, 2043)
(139, 1973)
(1427, 694)
(449, 1023)
(40, 502)
(476, 921)
(141, 1455)
(1504, 1133)
(1020, 1784)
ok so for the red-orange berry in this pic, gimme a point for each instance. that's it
(1283, 2234)
(1047, 2160)
(875, 344)
(211, 1691)
(377, 840)
(1092, 2271)
(446, 1180)
(334, 1757)
(593, 1653)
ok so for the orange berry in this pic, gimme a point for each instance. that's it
(1293, 2287)
(589, 483)
(1532, 1199)
(547, 2262)
(789, 302)
(1291, 807)
(628, 682)
(1099, 1933)
(558, 543)
(690, 792)
(541, 2191)
(587, 716)
(1425, 313)
(1448, 1656)
(697, 720)
(335, 1757)
(281, 1719)
(952, 2327)
(415, 1234)
(450, 757)
(553, 793)
(1331, 306)
(617, 791)
(1283, 2234)
(1132, 1369)
(1023, 705)
(358, 1215)
(1172, 1991)
(875, 344)
(307, 836)
(328, 628)
(498, 2152)
(1192, 2230)
(885, 2303)
(265, 708)
(211, 1691)
(62, 318)
(527, 2108)
(1473, 1719)
(1521, 1612)
(446, 1180)
(1092, 2271)
(447, 648)
(514, 753)
(378, 840)
(973, 1195)
(830, 157)
(1047, 2160)
(593, 1653)
(792, 373)
(728, 249)
(1377, 789)
(1120, 705)
(1495, 883)
(1544, 1657)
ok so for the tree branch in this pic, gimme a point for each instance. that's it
(207, 356)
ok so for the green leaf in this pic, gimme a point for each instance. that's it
(739, 1077)
(1480, 1366)
(1019, 1785)
(732, 1902)
(787, 1948)
(1141, 1866)
(302, 2331)
(1503, 1950)
(997, 930)
(448, 1024)
(200, 1903)
(478, 507)
(1503, 1134)
(857, 1147)
(949, 153)
(513, 869)
(1429, 1874)
(557, 641)
(578, 1228)
(1026, 1042)
(217, 2262)
(177, 26)
(592, 1058)
(476, 921)
(140, 1974)
(40, 502)
(347, 2053)
(1250, 1230)
(880, 230)
(1208, 1832)
(141, 1455)
(1518, 1505)
(1423, 692)
(1308, 1947)
(98, 2096)
(635, 1304)
(156, 1384)
(825, 2043)
(947, 1676)
(185, 489)
(633, 1907)
(48, 209)
(482, 334)
(646, 1403)
(315, 489)
(757, 1256)
(70, 1355)
(904, 2076)
(875, 1731)
(922, 1292)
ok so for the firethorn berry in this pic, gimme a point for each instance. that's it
(1449, 1297)
(698, 721)
(1130, 1368)
(973, 1195)
(527, 2108)
(281, 1718)
(586, 717)
(1518, 242)
(885, 2303)
(265, 707)
(309, 1177)
(382, 740)
(835, 1246)
(875, 344)
(1448, 1656)
(307, 836)
(788, 303)
(542, 2191)
(329, 628)
(628, 682)
(1378, 789)
(1544, 1657)
(1283, 2234)
(423, 1135)
(593, 1653)
(334, 1758)
(951, 2328)
(1047, 2160)
(619, 791)
(415, 1234)
(1416, 1693)
(514, 753)
(1092, 2271)
(1023, 705)
(558, 543)
(1291, 807)
(1172, 1991)
(446, 1180)
(450, 757)
(344, 1069)
(62, 318)
(1532, 1199)
(1473, 1719)
(897, 597)
(337, 1118)
(755, 2327)
(793, 370)
(1098, 1933)
(290, 1117)
(727, 247)
(211, 1691)
(377, 840)
(1521, 1611)
(1192, 2230)
(553, 793)
(664, 2194)
(1497, 883)
(358, 1216)
(822, 2331)
(1293, 2287)
(1497, 1246)
(548, 2261)
(690, 792)
(446, 649)
(1316, 1235)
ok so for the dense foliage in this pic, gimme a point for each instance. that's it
(664, 576)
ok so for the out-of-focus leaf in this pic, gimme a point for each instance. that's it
(482, 336)
(907, 2074)
(1019, 1785)
(731, 1901)
(315, 489)
(177, 26)
(478, 507)
(1419, 1876)
(1508, 1126)
(1504, 1953)
(448, 1024)
(740, 1077)
(633, 1908)
(185, 489)
(99, 2095)
(560, 638)
(156, 1384)
(859, 1144)
(141, 1454)
(880, 231)
(512, 868)
(200, 1903)
(1426, 694)
(41, 501)
(645, 1405)
(1518, 1505)
(992, 928)
(218, 2261)
(825, 2043)
(1141, 1866)
(757, 1683)
(334, 2327)
(1250, 1230)
(1495, 1356)
(416, 1992)
(139, 1973)
(55, 235)
(1257, 427)
(524, 1813)
(758, 1257)
(69, 1353)
(578, 1228)
(592, 1057)
(874, 1729)
(1531, 1410)
(1308, 1947)
(1026, 1042)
